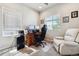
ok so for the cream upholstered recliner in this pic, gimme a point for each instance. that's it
(69, 44)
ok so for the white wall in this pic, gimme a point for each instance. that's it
(62, 10)
(29, 16)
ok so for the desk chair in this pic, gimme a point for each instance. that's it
(38, 38)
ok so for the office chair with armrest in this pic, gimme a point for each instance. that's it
(43, 33)
(38, 38)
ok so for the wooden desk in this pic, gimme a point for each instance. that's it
(30, 40)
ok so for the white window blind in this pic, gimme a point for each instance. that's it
(11, 22)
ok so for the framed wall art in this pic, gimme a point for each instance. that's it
(66, 19)
(42, 21)
(74, 14)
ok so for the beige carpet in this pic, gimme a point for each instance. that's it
(48, 50)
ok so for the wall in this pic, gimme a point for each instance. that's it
(29, 16)
(62, 10)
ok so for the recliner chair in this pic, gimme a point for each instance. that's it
(69, 44)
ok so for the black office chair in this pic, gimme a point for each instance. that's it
(38, 38)
(43, 34)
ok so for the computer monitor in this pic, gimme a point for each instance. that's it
(31, 27)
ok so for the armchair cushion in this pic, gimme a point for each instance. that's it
(59, 37)
(58, 42)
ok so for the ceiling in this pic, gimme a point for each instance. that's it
(39, 6)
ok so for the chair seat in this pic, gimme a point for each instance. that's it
(58, 42)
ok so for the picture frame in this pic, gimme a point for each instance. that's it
(42, 21)
(66, 19)
(74, 14)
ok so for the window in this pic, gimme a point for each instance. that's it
(11, 22)
(52, 22)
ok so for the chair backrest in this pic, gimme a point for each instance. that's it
(71, 34)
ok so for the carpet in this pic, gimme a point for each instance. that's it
(48, 50)
(26, 50)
